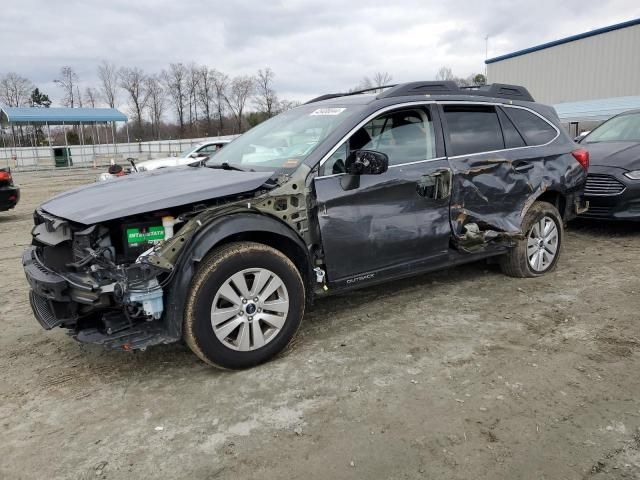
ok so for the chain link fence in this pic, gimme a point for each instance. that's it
(42, 158)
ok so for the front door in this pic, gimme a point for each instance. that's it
(377, 225)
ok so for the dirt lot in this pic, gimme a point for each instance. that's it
(460, 374)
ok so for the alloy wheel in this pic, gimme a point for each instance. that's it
(542, 244)
(249, 309)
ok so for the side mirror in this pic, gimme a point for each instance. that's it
(193, 155)
(366, 162)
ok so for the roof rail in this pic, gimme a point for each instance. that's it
(448, 87)
(356, 92)
(422, 88)
(444, 87)
(502, 90)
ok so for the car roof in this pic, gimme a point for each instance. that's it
(369, 99)
(430, 91)
(213, 142)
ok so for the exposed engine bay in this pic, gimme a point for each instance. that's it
(109, 283)
(96, 279)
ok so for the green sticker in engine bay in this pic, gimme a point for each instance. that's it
(137, 236)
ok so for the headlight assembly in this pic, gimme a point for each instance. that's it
(634, 175)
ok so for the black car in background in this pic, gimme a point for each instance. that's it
(9, 193)
(613, 183)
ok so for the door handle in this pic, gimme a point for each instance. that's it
(523, 167)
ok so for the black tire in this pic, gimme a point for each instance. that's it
(216, 269)
(515, 262)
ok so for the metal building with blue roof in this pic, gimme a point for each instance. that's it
(590, 76)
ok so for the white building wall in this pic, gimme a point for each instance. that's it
(602, 66)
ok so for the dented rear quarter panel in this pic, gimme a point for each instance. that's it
(490, 191)
(487, 189)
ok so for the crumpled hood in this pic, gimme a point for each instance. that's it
(150, 191)
(614, 154)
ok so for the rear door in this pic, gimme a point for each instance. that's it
(495, 171)
(376, 225)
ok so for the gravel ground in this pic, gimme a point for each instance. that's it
(458, 374)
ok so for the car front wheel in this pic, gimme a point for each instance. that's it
(245, 305)
(538, 252)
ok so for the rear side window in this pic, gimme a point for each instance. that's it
(535, 130)
(473, 129)
(512, 138)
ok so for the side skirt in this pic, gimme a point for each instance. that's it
(397, 272)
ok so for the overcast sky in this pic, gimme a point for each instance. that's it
(314, 47)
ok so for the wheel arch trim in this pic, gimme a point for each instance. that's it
(214, 234)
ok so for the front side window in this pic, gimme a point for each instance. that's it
(473, 129)
(624, 128)
(285, 141)
(209, 149)
(535, 130)
(404, 135)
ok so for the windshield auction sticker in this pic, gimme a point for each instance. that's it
(328, 111)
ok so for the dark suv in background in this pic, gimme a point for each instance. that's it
(345, 191)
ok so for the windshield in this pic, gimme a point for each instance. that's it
(625, 128)
(285, 141)
(186, 152)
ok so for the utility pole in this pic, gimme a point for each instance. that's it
(486, 56)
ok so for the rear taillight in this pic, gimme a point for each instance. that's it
(5, 176)
(582, 156)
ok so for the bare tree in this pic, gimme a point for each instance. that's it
(175, 80)
(155, 103)
(67, 81)
(380, 79)
(240, 89)
(206, 93)
(91, 96)
(78, 96)
(285, 105)
(266, 98)
(133, 81)
(445, 73)
(220, 85)
(193, 75)
(15, 90)
(108, 75)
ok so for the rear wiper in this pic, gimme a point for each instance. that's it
(225, 166)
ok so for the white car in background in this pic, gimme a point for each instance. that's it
(191, 155)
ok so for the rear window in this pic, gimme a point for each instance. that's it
(534, 129)
(473, 129)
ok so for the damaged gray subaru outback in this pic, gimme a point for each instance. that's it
(342, 192)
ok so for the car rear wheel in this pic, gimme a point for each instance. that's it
(245, 305)
(538, 252)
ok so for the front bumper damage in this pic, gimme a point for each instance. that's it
(131, 305)
(95, 310)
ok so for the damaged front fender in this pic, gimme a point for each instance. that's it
(282, 212)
